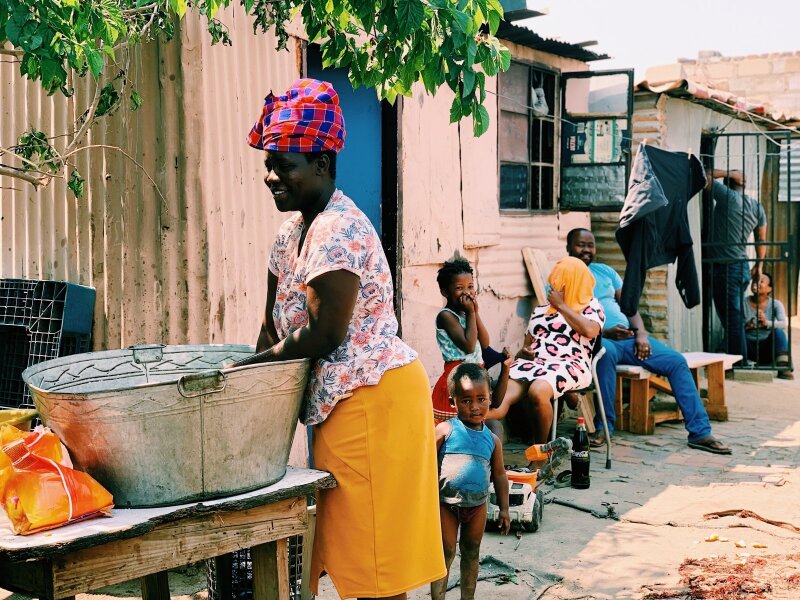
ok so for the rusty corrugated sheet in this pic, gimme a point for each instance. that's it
(653, 304)
(501, 268)
(186, 268)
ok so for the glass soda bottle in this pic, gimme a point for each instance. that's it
(580, 456)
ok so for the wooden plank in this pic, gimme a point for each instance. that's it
(642, 421)
(586, 410)
(175, 544)
(661, 385)
(660, 416)
(621, 413)
(129, 523)
(703, 359)
(716, 407)
(32, 578)
(156, 586)
(271, 570)
(538, 271)
(308, 546)
(633, 372)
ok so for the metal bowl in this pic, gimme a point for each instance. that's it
(160, 425)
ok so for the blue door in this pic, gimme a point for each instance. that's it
(358, 166)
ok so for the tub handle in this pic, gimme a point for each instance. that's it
(200, 384)
(147, 353)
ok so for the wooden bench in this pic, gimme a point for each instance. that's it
(637, 416)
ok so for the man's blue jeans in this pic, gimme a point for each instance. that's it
(663, 361)
(730, 283)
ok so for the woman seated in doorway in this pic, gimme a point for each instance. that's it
(765, 327)
(557, 353)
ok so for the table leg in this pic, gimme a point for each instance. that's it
(271, 570)
(622, 422)
(642, 422)
(155, 586)
(716, 392)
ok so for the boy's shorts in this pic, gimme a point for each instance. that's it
(465, 514)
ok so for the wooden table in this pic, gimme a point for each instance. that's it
(638, 418)
(146, 543)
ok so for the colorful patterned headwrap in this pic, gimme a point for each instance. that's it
(577, 281)
(307, 119)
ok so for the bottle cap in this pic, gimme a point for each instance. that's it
(581, 421)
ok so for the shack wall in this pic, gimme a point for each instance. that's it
(188, 267)
(449, 184)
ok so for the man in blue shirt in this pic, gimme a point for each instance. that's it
(626, 342)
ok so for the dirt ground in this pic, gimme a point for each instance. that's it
(654, 545)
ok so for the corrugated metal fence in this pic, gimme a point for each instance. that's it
(188, 267)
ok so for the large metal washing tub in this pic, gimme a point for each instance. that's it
(160, 425)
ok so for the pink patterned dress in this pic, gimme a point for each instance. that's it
(341, 237)
(563, 356)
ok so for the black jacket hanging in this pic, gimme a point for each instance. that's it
(654, 224)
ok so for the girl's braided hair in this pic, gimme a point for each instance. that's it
(451, 268)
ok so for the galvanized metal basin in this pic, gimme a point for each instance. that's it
(161, 425)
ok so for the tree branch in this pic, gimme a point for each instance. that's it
(35, 180)
(88, 122)
(118, 149)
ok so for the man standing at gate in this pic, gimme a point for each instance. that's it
(626, 343)
(734, 217)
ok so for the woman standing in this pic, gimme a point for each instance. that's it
(330, 299)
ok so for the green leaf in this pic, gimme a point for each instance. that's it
(462, 23)
(505, 58)
(109, 97)
(432, 75)
(53, 75)
(76, 183)
(480, 120)
(410, 14)
(95, 60)
(469, 82)
(136, 100)
(179, 6)
(456, 111)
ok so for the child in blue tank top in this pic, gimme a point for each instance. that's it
(470, 456)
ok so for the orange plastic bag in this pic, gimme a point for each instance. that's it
(38, 491)
(41, 442)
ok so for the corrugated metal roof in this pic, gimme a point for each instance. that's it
(527, 37)
(718, 100)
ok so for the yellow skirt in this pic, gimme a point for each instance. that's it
(378, 531)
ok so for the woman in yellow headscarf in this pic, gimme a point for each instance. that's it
(557, 354)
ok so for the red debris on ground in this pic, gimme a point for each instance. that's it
(735, 578)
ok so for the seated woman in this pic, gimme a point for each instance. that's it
(765, 327)
(557, 354)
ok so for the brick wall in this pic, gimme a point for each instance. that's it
(771, 78)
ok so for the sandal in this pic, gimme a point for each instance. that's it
(710, 444)
(597, 441)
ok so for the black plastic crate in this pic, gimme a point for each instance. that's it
(231, 576)
(39, 320)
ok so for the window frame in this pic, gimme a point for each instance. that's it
(556, 120)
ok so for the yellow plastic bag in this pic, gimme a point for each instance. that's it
(38, 490)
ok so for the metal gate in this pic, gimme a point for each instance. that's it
(749, 219)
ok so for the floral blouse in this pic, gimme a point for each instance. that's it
(340, 238)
